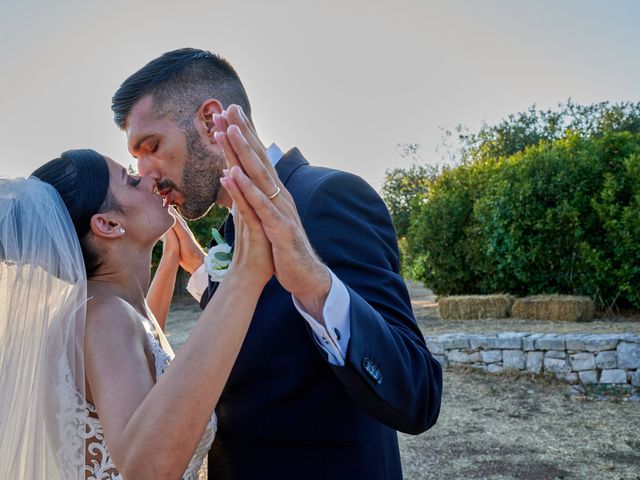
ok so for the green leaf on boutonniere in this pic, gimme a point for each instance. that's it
(217, 237)
(222, 256)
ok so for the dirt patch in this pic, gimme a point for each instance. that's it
(506, 427)
(183, 315)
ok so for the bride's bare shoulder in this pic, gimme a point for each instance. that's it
(111, 315)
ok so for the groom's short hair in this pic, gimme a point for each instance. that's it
(178, 82)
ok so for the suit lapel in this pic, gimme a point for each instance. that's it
(229, 230)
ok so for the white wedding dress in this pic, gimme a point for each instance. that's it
(47, 429)
(99, 465)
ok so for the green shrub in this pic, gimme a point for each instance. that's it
(563, 216)
(442, 223)
(618, 210)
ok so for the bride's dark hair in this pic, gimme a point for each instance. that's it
(81, 177)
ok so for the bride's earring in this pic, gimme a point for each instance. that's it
(122, 230)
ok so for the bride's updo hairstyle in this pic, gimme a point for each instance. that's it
(81, 177)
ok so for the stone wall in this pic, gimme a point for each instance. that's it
(576, 358)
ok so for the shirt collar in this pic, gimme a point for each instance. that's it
(274, 153)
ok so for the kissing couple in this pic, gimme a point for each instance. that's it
(307, 357)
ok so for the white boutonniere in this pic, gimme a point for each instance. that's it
(218, 258)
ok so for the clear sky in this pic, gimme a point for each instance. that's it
(344, 80)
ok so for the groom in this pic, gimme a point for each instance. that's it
(333, 363)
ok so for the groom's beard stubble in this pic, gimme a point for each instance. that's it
(200, 178)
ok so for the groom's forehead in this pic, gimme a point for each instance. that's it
(140, 116)
(142, 123)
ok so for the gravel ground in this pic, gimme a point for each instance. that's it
(507, 426)
(518, 427)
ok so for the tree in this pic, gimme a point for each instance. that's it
(403, 190)
(525, 129)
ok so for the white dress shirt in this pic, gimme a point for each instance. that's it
(334, 336)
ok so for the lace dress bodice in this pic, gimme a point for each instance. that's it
(99, 465)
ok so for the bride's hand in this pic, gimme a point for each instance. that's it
(170, 248)
(190, 253)
(252, 249)
(161, 289)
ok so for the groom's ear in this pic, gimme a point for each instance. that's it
(104, 226)
(205, 116)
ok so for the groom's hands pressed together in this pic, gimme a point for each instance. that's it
(298, 269)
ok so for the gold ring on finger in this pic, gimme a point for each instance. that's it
(275, 194)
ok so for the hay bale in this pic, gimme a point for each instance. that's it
(472, 307)
(557, 308)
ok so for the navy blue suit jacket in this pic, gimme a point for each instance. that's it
(286, 412)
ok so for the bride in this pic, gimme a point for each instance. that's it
(85, 388)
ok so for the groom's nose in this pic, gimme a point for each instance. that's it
(148, 183)
(146, 169)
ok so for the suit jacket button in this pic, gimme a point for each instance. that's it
(366, 364)
(372, 370)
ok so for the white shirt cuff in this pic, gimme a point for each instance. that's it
(198, 283)
(334, 336)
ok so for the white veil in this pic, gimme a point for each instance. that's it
(42, 318)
